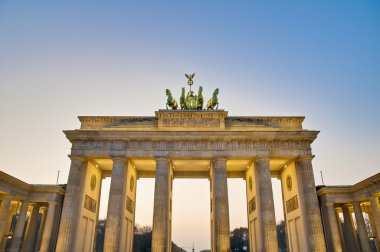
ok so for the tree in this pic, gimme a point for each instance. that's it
(239, 239)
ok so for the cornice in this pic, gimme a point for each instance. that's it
(375, 179)
(8, 179)
(74, 135)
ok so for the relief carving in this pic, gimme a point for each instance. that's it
(292, 204)
(191, 122)
(252, 205)
(90, 204)
(130, 205)
(233, 145)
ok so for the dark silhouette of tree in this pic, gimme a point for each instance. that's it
(239, 238)
(281, 237)
(142, 240)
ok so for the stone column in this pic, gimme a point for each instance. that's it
(41, 227)
(221, 219)
(373, 227)
(363, 235)
(267, 232)
(8, 221)
(115, 231)
(334, 230)
(308, 196)
(72, 206)
(376, 213)
(348, 229)
(5, 205)
(17, 235)
(161, 229)
(48, 229)
(29, 242)
(340, 231)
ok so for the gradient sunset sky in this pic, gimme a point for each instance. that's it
(62, 59)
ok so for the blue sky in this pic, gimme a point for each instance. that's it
(320, 59)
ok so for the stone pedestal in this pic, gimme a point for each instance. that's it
(29, 242)
(267, 232)
(161, 214)
(17, 235)
(115, 231)
(308, 197)
(334, 229)
(72, 206)
(363, 236)
(48, 229)
(221, 222)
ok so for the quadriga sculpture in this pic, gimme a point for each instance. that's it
(213, 102)
(170, 102)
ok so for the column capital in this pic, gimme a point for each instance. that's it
(165, 158)
(219, 159)
(262, 159)
(80, 158)
(119, 158)
(329, 204)
(305, 158)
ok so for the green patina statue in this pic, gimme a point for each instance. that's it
(182, 99)
(213, 102)
(191, 101)
(200, 98)
(170, 102)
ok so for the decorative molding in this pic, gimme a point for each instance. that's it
(90, 204)
(130, 205)
(252, 204)
(233, 145)
(292, 204)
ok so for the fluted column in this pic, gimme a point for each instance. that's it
(17, 235)
(43, 211)
(7, 221)
(375, 206)
(115, 230)
(308, 196)
(334, 230)
(221, 219)
(340, 231)
(363, 235)
(72, 205)
(349, 230)
(48, 228)
(267, 233)
(6, 203)
(373, 227)
(161, 228)
(29, 242)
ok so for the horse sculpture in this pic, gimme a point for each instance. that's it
(182, 99)
(213, 102)
(171, 102)
(200, 98)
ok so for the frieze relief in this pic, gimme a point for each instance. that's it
(90, 204)
(191, 122)
(193, 145)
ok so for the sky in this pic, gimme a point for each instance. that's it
(62, 59)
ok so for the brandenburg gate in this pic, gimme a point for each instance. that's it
(190, 142)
